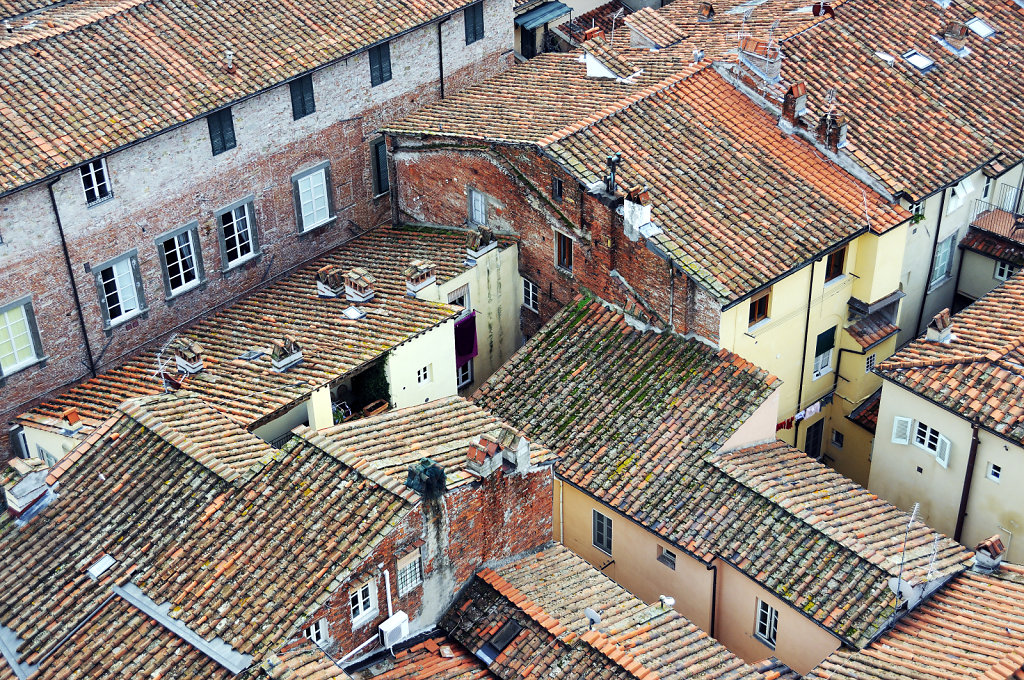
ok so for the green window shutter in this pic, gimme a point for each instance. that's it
(825, 342)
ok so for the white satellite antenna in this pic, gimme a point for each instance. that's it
(162, 363)
(771, 35)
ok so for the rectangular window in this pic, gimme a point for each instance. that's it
(379, 167)
(460, 297)
(410, 573)
(531, 295)
(1004, 270)
(361, 601)
(477, 207)
(313, 201)
(943, 260)
(120, 289)
(835, 265)
(474, 22)
(988, 185)
(758, 309)
(303, 102)
(838, 439)
(823, 353)
(237, 231)
(556, 189)
(181, 260)
(929, 439)
(563, 251)
(602, 532)
(767, 623)
(994, 472)
(490, 650)
(465, 374)
(869, 363)
(95, 182)
(423, 374)
(380, 64)
(667, 557)
(19, 337)
(317, 633)
(222, 131)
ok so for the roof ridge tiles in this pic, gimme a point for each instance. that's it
(73, 456)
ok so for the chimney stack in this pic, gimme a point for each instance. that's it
(831, 131)
(794, 104)
(636, 211)
(762, 61)
(418, 275)
(484, 456)
(593, 32)
(329, 281)
(72, 419)
(940, 328)
(478, 243)
(285, 353)
(359, 285)
(823, 8)
(988, 554)
(188, 357)
(427, 479)
(955, 30)
(705, 12)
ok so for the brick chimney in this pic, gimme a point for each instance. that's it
(285, 352)
(940, 328)
(988, 554)
(705, 12)
(330, 282)
(188, 357)
(823, 9)
(418, 275)
(359, 285)
(593, 32)
(794, 104)
(488, 452)
(636, 211)
(478, 243)
(955, 29)
(831, 130)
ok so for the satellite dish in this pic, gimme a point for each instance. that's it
(593, 617)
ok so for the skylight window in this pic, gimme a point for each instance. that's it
(919, 61)
(980, 27)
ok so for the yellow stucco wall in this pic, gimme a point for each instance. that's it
(57, 445)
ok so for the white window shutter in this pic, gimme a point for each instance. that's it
(942, 453)
(901, 430)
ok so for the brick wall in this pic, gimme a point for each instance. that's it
(433, 183)
(173, 179)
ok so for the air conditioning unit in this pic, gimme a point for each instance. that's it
(394, 629)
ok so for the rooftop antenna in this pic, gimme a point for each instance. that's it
(903, 560)
(613, 163)
(744, 32)
(618, 15)
(161, 363)
(867, 217)
(771, 35)
(931, 560)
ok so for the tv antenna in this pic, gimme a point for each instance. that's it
(162, 362)
(618, 15)
(771, 35)
(903, 561)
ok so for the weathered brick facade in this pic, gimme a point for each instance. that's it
(172, 180)
(433, 182)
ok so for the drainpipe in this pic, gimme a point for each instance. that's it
(839, 363)
(803, 355)
(931, 262)
(713, 568)
(440, 56)
(961, 513)
(672, 297)
(71, 278)
(956, 284)
(390, 141)
(561, 511)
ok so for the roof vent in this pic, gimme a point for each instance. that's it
(359, 285)
(329, 281)
(229, 60)
(705, 12)
(354, 313)
(427, 479)
(100, 567)
(940, 328)
(284, 353)
(955, 29)
(188, 356)
(418, 275)
(794, 103)
(887, 58)
(988, 554)
(823, 9)
(72, 420)
(831, 130)
(593, 32)
(479, 243)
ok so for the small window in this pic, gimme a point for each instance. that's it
(994, 472)
(758, 308)
(477, 207)
(120, 289)
(303, 102)
(919, 61)
(236, 228)
(423, 375)
(556, 189)
(980, 27)
(460, 297)
(362, 602)
(317, 633)
(19, 337)
(917, 209)
(474, 22)
(380, 64)
(222, 131)
(1004, 270)
(823, 347)
(988, 187)
(602, 532)
(181, 260)
(490, 650)
(531, 295)
(869, 363)
(379, 167)
(837, 439)
(901, 430)
(95, 182)
(835, 265)
(410, 573)
(464, 374)
(563, 251)
(943, 261)
(929, 439)
(958, 194)
(767, 623)
(667, 557)
(313, 205)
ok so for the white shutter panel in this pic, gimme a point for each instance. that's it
(901, 430)
(942, 453)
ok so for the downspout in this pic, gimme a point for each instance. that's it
(839, 364)
(803, 355)
(440, 55)
(391, 141)
(387, 591)
(671, 297)
(931, 262)
(961, 513)
(959, 270)
(561, 510)
(714, 595)
(71, 278)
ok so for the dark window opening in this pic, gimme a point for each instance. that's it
(222, 131)
(556, 189)
(835, 265)
(379, 166)
(497, 644)
(758, 309)
(303, 102)
(563, 251)
(380, 64)
(474, 22)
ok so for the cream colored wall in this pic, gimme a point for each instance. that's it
(435, 347)
(56, 444)
(800, 642)
(996, 507)
(758, 428)
(977, 275)
(298, 415)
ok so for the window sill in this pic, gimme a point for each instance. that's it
(382, 194)
(563, 271)
(174, 294)
(100, 201)
(364, 618)
(6, 373)
(821, 374)
(838, 279)
(243, 262)
(759, 325)
(602, 550)
(532, 309)
(670, 565)
(330, 220)
(940, 283)
(121, 320)
(763, 641)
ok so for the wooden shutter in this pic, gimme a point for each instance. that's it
(385, 62)
(942, 452)
(228, 128)
(901, 430)
(216, 134)
(375, 66)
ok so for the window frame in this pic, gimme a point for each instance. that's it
(474, 25)
(557, 190)
(380, 64)
(249, 203)
(605, 523)
(221, 125)
(766, 624)
(379, 170)
(563, 251)
(832, 272)
(938, 278)
(753, 314)
(423, 375)
(366, 608)
(408, 585)
(318, 632)
(1007, 270)
(474, 217)
(994, 472)
(822, 364)
(931, 441)
(838, 438)
(32, 330)
(303, 96)
(464, 378)
(132, 256)
(325, 168)
(91, 171)
(528, 288)
(192, 229)
(667, 557)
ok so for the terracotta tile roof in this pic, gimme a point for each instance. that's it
(980, 372)
(872, 329)
(116, 71)
(993, 245)
(440, 430)
(250, 392)
(642, 442)
(304, 661)
(773, 669)
(973, 627)
(601, 17)
(1000, 223)
(655, 27)
(241, 566)
(866, 414)
(633, 640)
(425, 660)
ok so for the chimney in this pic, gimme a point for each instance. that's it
(794, 104)
(188, 357)
(359, 285)
(613, 161)
(940, 328)
(705, 12)
(515, 450)
(418, 275)
(229, 60)
(593, 32)
(72, 421)
(636, 211)
(284, 353)
(484, 456)
(831, 130)
(761, 60)
(479, 243)
(427, 479)
(329, 281)
(988, 554)
(823, 9)
(955, 30)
